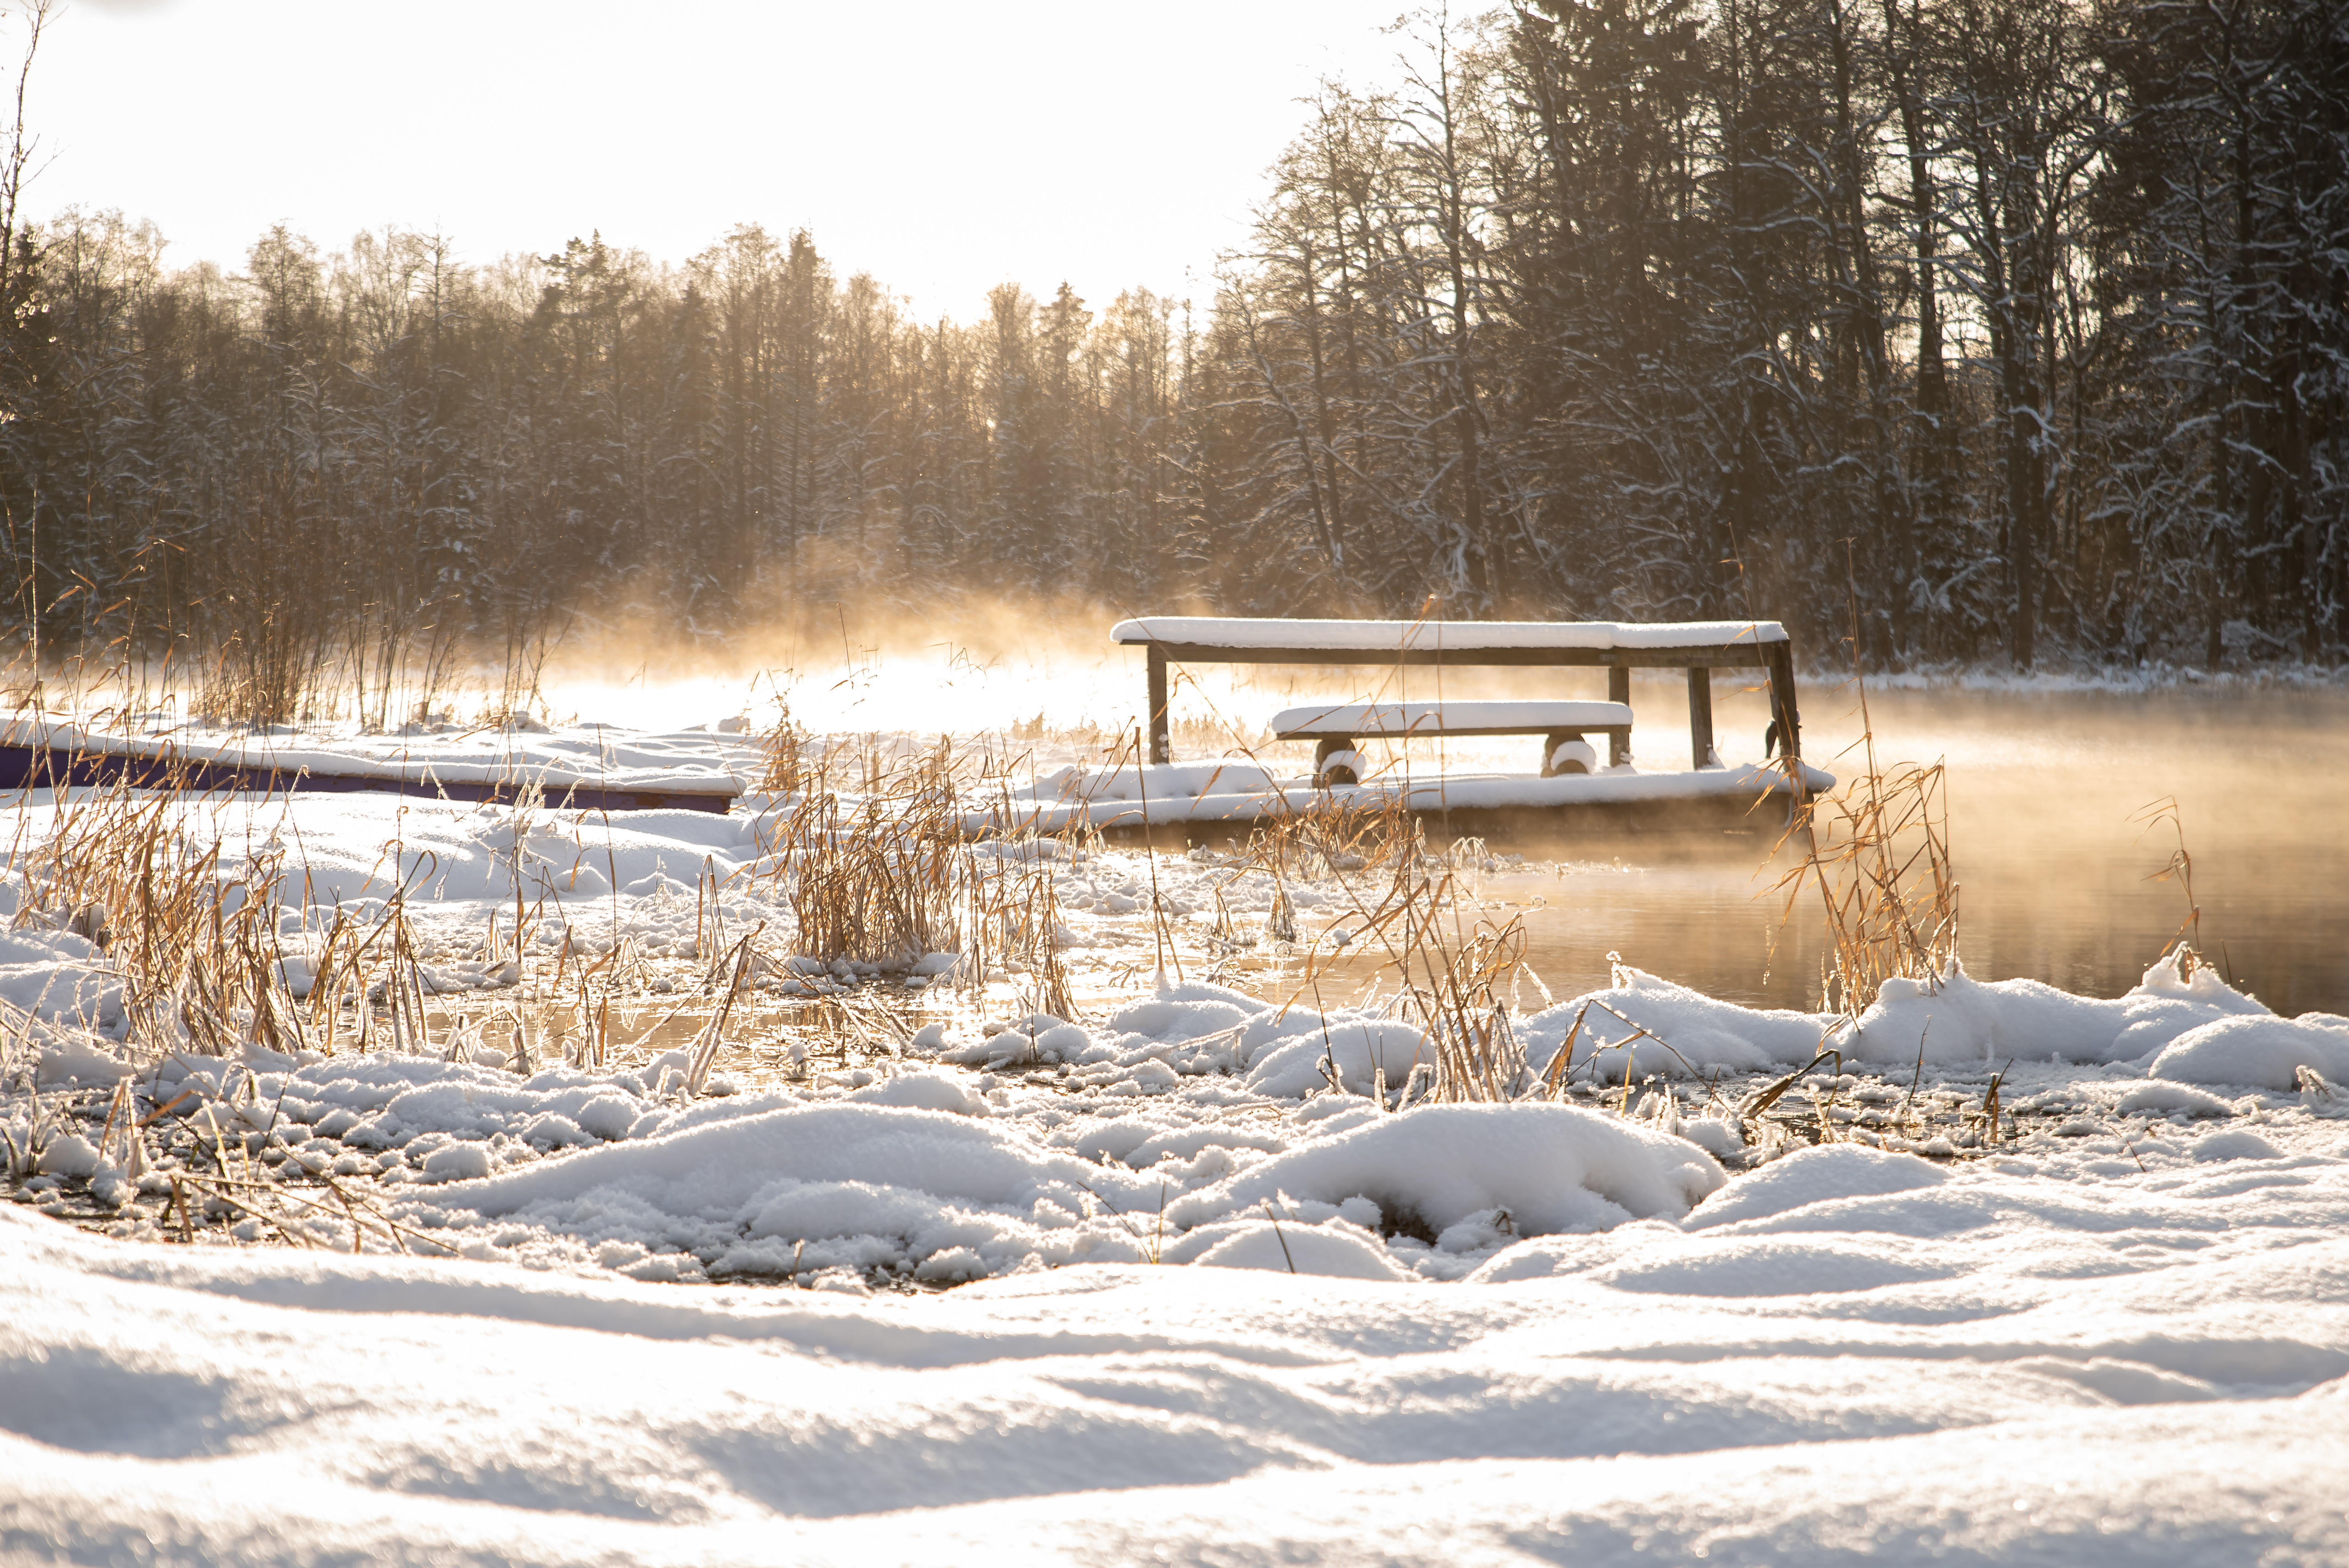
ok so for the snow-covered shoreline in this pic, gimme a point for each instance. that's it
(1994, 1270)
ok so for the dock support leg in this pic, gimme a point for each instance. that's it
(1162, 742)
(1619, 689)
(1779, 659)
(1699, 684)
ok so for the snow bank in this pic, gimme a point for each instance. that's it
(2196, 1029)
(1966, 1020)
(1150, 784)
(949, 1194)
(594, 756)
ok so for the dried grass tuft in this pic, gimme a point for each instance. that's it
(1877, 853)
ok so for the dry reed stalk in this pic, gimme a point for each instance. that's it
(781, 769)
(1477, 1055)
(886, 876)
(1020, 918)
(1878, 853)
(713, 1034)
(197, 941)
(197, 948)
(874, 880)
(2156, 815)
(1457, 993)
(1332, 837)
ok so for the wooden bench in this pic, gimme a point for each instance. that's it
(1338, 725)
(1699, 647)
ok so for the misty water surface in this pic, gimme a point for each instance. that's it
(2043, 788)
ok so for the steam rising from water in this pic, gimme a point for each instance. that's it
(1001, 666)
(2043, 788)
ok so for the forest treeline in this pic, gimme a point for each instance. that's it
(2028, 320)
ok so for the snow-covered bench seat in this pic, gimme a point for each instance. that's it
(1245, 639)
(1562, 725)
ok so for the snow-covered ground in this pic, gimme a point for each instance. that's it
(2013, 1275)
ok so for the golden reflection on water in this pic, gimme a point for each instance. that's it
(2054, 872)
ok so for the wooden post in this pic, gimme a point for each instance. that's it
(1162, 742)
(1779, 659)
(1699, 682)
(1619, 689)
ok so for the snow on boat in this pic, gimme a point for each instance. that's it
(1571, 792)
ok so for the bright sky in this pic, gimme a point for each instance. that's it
(943, 146)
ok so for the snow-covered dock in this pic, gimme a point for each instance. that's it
(1207, 802)
(1570, 794)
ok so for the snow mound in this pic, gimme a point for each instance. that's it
(793, 1189)
(1548, 1168)
(60, 977)
(78, 1061)
(2263, 1052)
(1334, 1249)
(1360, 1049)
(2164, 1098)
(2192, 1026)
(924, 1091)
(382, 1101)
(1816, 1175)
(1687, 1034)
(1762, 1266)
(2234, 1146)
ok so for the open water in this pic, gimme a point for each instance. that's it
(2048, 795)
